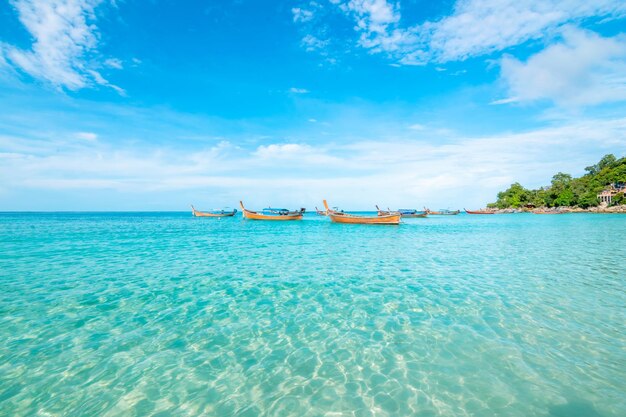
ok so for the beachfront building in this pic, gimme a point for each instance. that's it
(606, 196)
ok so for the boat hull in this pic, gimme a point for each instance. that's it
(201, 214)
(350, 219)
(479, 212)
(340, 217)
(197, 213)
(253, 215)
(414, 216)
(403, 215)
(406, 214)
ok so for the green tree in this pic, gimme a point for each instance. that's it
(565, 198)
(567, 191)
(561, 180)
(588, 199)
(514, 196)
(607, 161)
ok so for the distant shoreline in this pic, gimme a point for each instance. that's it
(621, 209)
(564, 209)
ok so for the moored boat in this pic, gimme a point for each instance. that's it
(405, 213)
(442, 212)
(414, 216)
(213, 213)
(479, 211)
(383, 212)
(411, 213)
(271, 214)
(341, 217)
(320, 212)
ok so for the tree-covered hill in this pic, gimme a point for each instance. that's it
(567, 191)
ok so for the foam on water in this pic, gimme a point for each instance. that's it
(165, 314)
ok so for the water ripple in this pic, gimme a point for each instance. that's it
(167, 315)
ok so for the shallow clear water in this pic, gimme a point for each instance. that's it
(165, 314)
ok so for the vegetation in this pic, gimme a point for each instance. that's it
(567, 191)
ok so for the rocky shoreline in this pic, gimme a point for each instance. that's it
(563, 210)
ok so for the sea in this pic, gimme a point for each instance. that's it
(164, 314)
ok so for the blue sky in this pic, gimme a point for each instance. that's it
(136, 105)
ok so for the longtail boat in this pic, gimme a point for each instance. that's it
(321, 213)
(213, 213)
(384, 212)
(341, 217)
(479, 211)
(410, 213)
(442, 212)
(404, 213)
(272, 214)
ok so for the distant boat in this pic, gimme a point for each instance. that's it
(341, 217)
(479, 211)
(384, 212)
(442, 212)
(272, 214)
(213, 213)
(408, 213)
(321, 213)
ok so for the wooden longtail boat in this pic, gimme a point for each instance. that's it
(442, 212)
(478, 211)
(271, 214)
(341, 217)
(213, 213)
(321, 213)
(384, 212)
(414, 214)
(404, 213)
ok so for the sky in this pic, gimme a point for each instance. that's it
(154, 105)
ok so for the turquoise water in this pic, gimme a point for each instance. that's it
(163, 314)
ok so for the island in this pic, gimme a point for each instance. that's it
(600, 190)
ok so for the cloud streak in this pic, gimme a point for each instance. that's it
(474, 28)
(396, 170)
(583, 69)
(65, 40)
(296, 90)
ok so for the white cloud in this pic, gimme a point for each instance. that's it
(296, 90)
(478, 27)
(102, 81)
(281, 151)
(312, 43)
(504, 101)
(114, 63)
(474, 28)
(65, 39)
(88, 136)
(583, 69)
(396, 171)
(301, 15)
(293, 155)
(375, 20)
